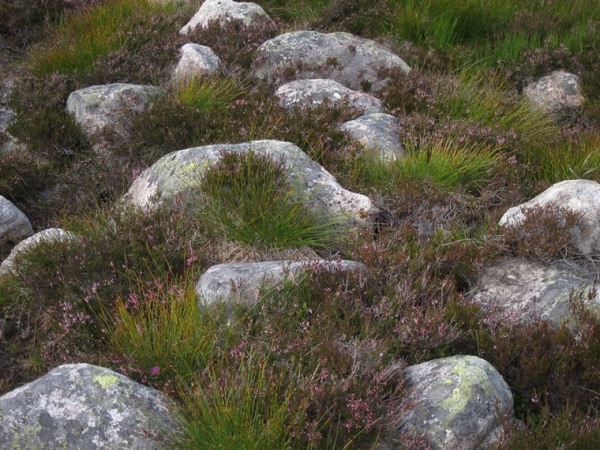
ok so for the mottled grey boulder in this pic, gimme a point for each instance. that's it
(456, 403)
(350, 60)
(525, 290)
(557, 91)
(226, 10)
(48, 236)
(14, 225)
(7, 142)
(311, 93)
(196, 61)
(97, 107)
(85, 407)
(377, 133)
(180, 173)
(240, 283)
(579, 196)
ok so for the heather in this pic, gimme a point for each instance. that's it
(316, 363)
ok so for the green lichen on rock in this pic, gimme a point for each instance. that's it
(27, 439)
(106, 381)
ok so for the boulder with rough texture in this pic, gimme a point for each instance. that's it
(7, 142)
(196, 61)
(240, 283)
(85, 407)
(48, 236)
(378, 133)
(580, 196)
(525, 290)
(14, 224)
(98, 107)
(350, 60)
(455, 403)
(557, 91)
(226, 10)
(311, 93)
(180, 173)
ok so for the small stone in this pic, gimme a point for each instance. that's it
(377, 133)
(224, 11)
(555, 92)
(196, 61)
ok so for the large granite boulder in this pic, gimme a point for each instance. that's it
(44, 237)
(311, 93)
(14, 224)
(377, 133)
(196, 61)
(579, 196)
(85, 407)
(350, 60)
(96, 108)
(226, 10)
(555, 92)
(455, 403)
(180, 173)
(525, 290)
(241, 283)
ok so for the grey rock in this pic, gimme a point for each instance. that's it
(226, 10)
(98, 107)
(377, 133)
(14, 224)
(180, 173)
(557, 91)
(44, 237)
(85, 407)
(350, 60)
(456, 403)
(196, 61)
(240, 283)
(579, 196)
(8, 143)
(310, 93)
(524, 290)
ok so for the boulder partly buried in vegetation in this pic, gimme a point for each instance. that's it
(313, 93)
(14, 224)
(80, 406)
(580, 197)
(7, 142)
(554, 93)
(224, 11)
(378, 133)
(350, 60)
(196, 61)
(180, 174)
(455, 403)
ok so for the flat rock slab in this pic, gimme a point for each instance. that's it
(224, 11)
(180, 173)
(14, 224)
(377, 133)
(350, 60)
(554, 92)
(456, 403)
(97, 107)
(526, 290)
(241, 283)
(85, 407)
(44, 237)
(196, 61)
(311, 93)
(579, 196)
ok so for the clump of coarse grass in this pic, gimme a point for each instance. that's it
(248, 199)
(207, 95)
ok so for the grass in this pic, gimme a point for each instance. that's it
(315, 363)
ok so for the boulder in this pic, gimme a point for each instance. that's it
(196, 61)
(311, 93)
(525, 290)
(580, 196)
(44, 237)
(455, 403)
(240, 283)
(180, 173)
(7, 142)
(350, 60)
(98, 107)
(555, 92)
(377, 133)
(14, 225)
(226, 10)
(85, 407)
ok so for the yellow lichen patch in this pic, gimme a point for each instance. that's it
(106, 381)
